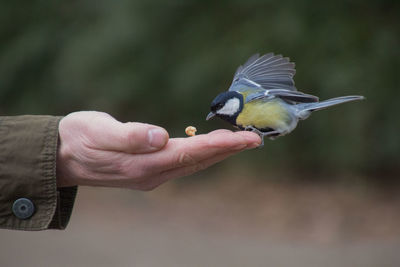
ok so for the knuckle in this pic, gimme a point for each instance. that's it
(132, 139)
(184, 159)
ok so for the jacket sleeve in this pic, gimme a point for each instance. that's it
(29, 197)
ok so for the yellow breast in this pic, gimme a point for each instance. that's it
(260, 114)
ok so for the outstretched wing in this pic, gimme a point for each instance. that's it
(267, 77)
(268, 72)
(288, 95)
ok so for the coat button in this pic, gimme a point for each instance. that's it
(23, 208)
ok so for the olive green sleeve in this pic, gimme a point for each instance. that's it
(29, 197)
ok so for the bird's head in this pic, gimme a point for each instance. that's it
(227, 106)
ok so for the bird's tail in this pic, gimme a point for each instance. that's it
(305, 109)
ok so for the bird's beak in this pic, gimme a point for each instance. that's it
(210, 115)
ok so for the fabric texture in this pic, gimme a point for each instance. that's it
(28, 150)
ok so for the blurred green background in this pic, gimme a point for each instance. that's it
(321, 196)
(163, 63)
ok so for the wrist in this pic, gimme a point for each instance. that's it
(64, 175)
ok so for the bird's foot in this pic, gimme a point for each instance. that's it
(255, 130)
(273, 134)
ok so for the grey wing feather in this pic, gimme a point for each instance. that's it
(268, 71)
(288, 95)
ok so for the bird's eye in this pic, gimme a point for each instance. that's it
(219, 105)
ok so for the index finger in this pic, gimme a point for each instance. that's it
(189, 151)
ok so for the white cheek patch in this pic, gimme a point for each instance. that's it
(231, 107)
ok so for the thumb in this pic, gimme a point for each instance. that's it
(135, 137)
(130, 137)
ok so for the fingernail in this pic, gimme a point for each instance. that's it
(157, 137)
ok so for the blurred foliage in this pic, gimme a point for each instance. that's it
(163, 63)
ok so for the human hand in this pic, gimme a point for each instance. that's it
(97, 150)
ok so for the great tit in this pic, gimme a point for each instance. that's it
(263, 98)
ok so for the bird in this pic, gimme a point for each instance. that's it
(263, 98)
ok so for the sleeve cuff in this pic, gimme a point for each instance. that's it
(28, 150)
(65, 203)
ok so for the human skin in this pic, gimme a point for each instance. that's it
(97, 150)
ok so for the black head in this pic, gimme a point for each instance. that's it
(227, 105)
